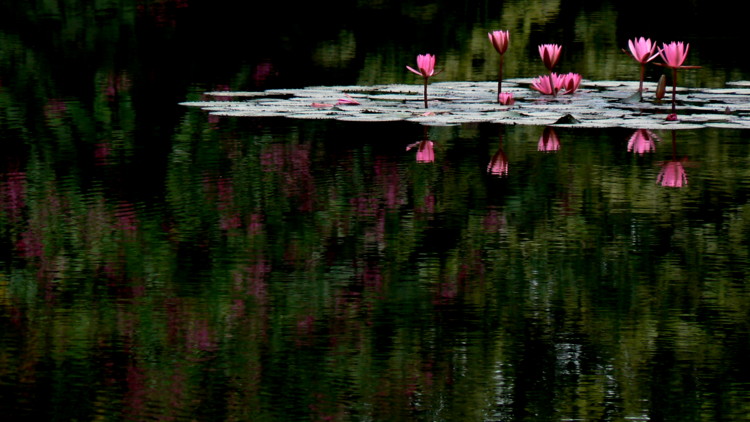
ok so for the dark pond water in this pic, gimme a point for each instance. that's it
(158, 263)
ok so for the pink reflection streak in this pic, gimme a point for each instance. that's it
(13, 194)
(55, 108)
(292, 163)
(221, 191)
(200, 336)
(30, 244)
(102, 151)
(229, 216)
(365, 206)
(137, 392)
(252, 280)
(126, 217)
(304, 330)
(495, 222)
(373, 281)
(115, 84)
(255, 225)
(390, 181)
(427, 206)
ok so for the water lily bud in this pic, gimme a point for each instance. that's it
(661, 88)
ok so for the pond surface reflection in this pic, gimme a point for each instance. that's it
(160, 263)
(317, 270)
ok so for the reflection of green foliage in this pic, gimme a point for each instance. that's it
(314, 270)
(558, 282)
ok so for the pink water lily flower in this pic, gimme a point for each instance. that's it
(546, 84)
(506, 98)
(550, 54)
(499, 40)
(642, 49)
(425, 64)
(674, 53)
(569, 82)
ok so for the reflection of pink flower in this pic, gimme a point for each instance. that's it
(672, 175)
(425, 152)
(498, 164)
(549, 141)
(641, 142)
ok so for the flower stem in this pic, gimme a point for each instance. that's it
(674, 90)
(425, 92)
(500, 78)
(640, 87)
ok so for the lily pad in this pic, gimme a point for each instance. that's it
(595, 104)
